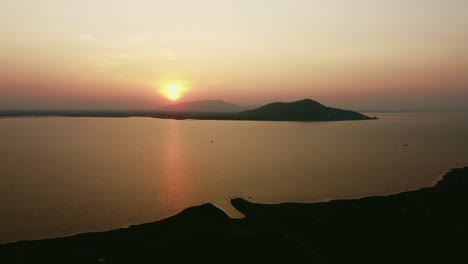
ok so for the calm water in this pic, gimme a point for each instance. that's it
(61, 176)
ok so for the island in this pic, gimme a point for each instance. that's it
(304, 110)
(429, 225)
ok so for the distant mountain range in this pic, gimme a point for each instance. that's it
(206, 106)
(304, 110)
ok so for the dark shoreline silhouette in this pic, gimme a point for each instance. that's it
(304, 110)
(429, 225)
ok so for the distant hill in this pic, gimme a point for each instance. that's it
(304, 110)
(251, 107)
(206, 106)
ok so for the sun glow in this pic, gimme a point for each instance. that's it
(173, 91)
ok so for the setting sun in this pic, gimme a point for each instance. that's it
(173, 91)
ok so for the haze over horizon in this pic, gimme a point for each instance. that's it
(360, 55)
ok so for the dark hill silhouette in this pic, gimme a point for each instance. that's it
(251, 107)
(206, 106)
(304, 110)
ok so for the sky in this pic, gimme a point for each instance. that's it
(394, 55)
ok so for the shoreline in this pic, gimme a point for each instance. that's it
(426, 225)
(227, 208)
(220, 116)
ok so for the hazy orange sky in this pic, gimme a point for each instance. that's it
(110, 54)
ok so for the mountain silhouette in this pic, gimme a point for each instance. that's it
(206, 106)
(304, 110)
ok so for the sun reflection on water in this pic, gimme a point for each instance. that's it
(174, 180)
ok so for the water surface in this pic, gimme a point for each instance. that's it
(62, 176)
